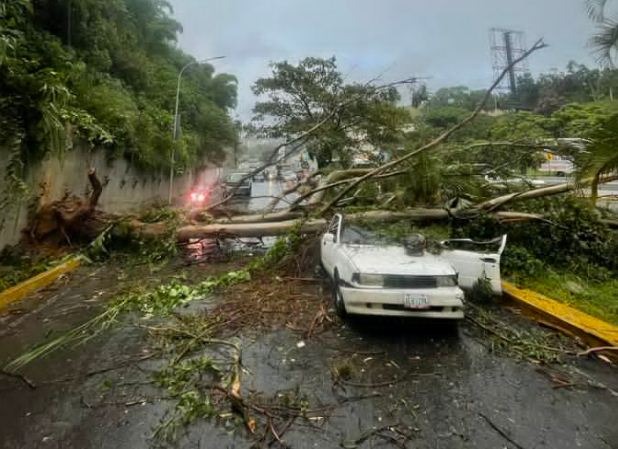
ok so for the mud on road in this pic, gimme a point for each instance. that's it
(360, 383)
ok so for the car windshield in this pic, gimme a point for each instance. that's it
(236, 177)
(357, 235)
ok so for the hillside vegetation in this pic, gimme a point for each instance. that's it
(105, 72)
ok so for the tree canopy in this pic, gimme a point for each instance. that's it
(105, 72)
(300, 96)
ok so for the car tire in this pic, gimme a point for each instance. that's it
(338, 297)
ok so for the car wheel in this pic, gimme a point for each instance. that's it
(338, 297)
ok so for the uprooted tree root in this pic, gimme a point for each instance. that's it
(69, 218)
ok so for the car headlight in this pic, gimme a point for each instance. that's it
(372, 280)
(446, 281)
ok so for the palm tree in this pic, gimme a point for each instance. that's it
(605, 41)
(598, 123)
(602, 155)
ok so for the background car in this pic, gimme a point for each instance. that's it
(241, 181)
(289, 177)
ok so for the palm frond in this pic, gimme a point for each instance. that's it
(600, 160)
(605, 41)
(596, 9)
(78, 335)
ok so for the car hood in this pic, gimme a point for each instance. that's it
(394, 260)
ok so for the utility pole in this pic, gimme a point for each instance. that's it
(177, 123)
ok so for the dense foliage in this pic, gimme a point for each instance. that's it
(572, 237)
(105, 72)
(506, 144)
(301, 96)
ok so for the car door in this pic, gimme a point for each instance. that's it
(329, 243)
(471, 265)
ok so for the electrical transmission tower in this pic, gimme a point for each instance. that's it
(506, 46)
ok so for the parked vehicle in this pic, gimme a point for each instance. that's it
(240, 181)
(373, 276)
(289, 176)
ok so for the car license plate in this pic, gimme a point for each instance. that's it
(415, 302)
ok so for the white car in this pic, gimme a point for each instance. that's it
(374, 277)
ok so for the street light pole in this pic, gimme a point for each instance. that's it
(176, 124)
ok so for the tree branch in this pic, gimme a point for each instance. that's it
(500, 201)
(442, 137)
(273, 160)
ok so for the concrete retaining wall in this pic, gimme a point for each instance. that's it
(126, 189)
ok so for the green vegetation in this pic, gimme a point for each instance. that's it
(14, 270)
(313, 92)
(182, 381)
(536, 345)
(161, 300)
(107, 77)
(606, 39)
(591, 295)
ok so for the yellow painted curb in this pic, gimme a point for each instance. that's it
(41, 280)
(564, 314)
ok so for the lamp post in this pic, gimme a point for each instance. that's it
(175, 130)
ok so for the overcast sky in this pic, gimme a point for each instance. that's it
(445, 39)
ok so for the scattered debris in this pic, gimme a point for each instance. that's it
(500, 431)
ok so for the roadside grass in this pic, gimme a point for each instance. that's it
(598, 298)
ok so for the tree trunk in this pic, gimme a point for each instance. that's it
(256, 229)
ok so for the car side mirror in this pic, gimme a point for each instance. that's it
(329, 238)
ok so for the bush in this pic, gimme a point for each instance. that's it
(481, 292)
(573, 237)
(517, 259)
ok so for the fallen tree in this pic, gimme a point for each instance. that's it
(438, 140)
(60, 220)
(75, 217)
(314, 225)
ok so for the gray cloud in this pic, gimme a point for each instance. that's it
(445, 39)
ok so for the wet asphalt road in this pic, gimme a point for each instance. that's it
(454, 393)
